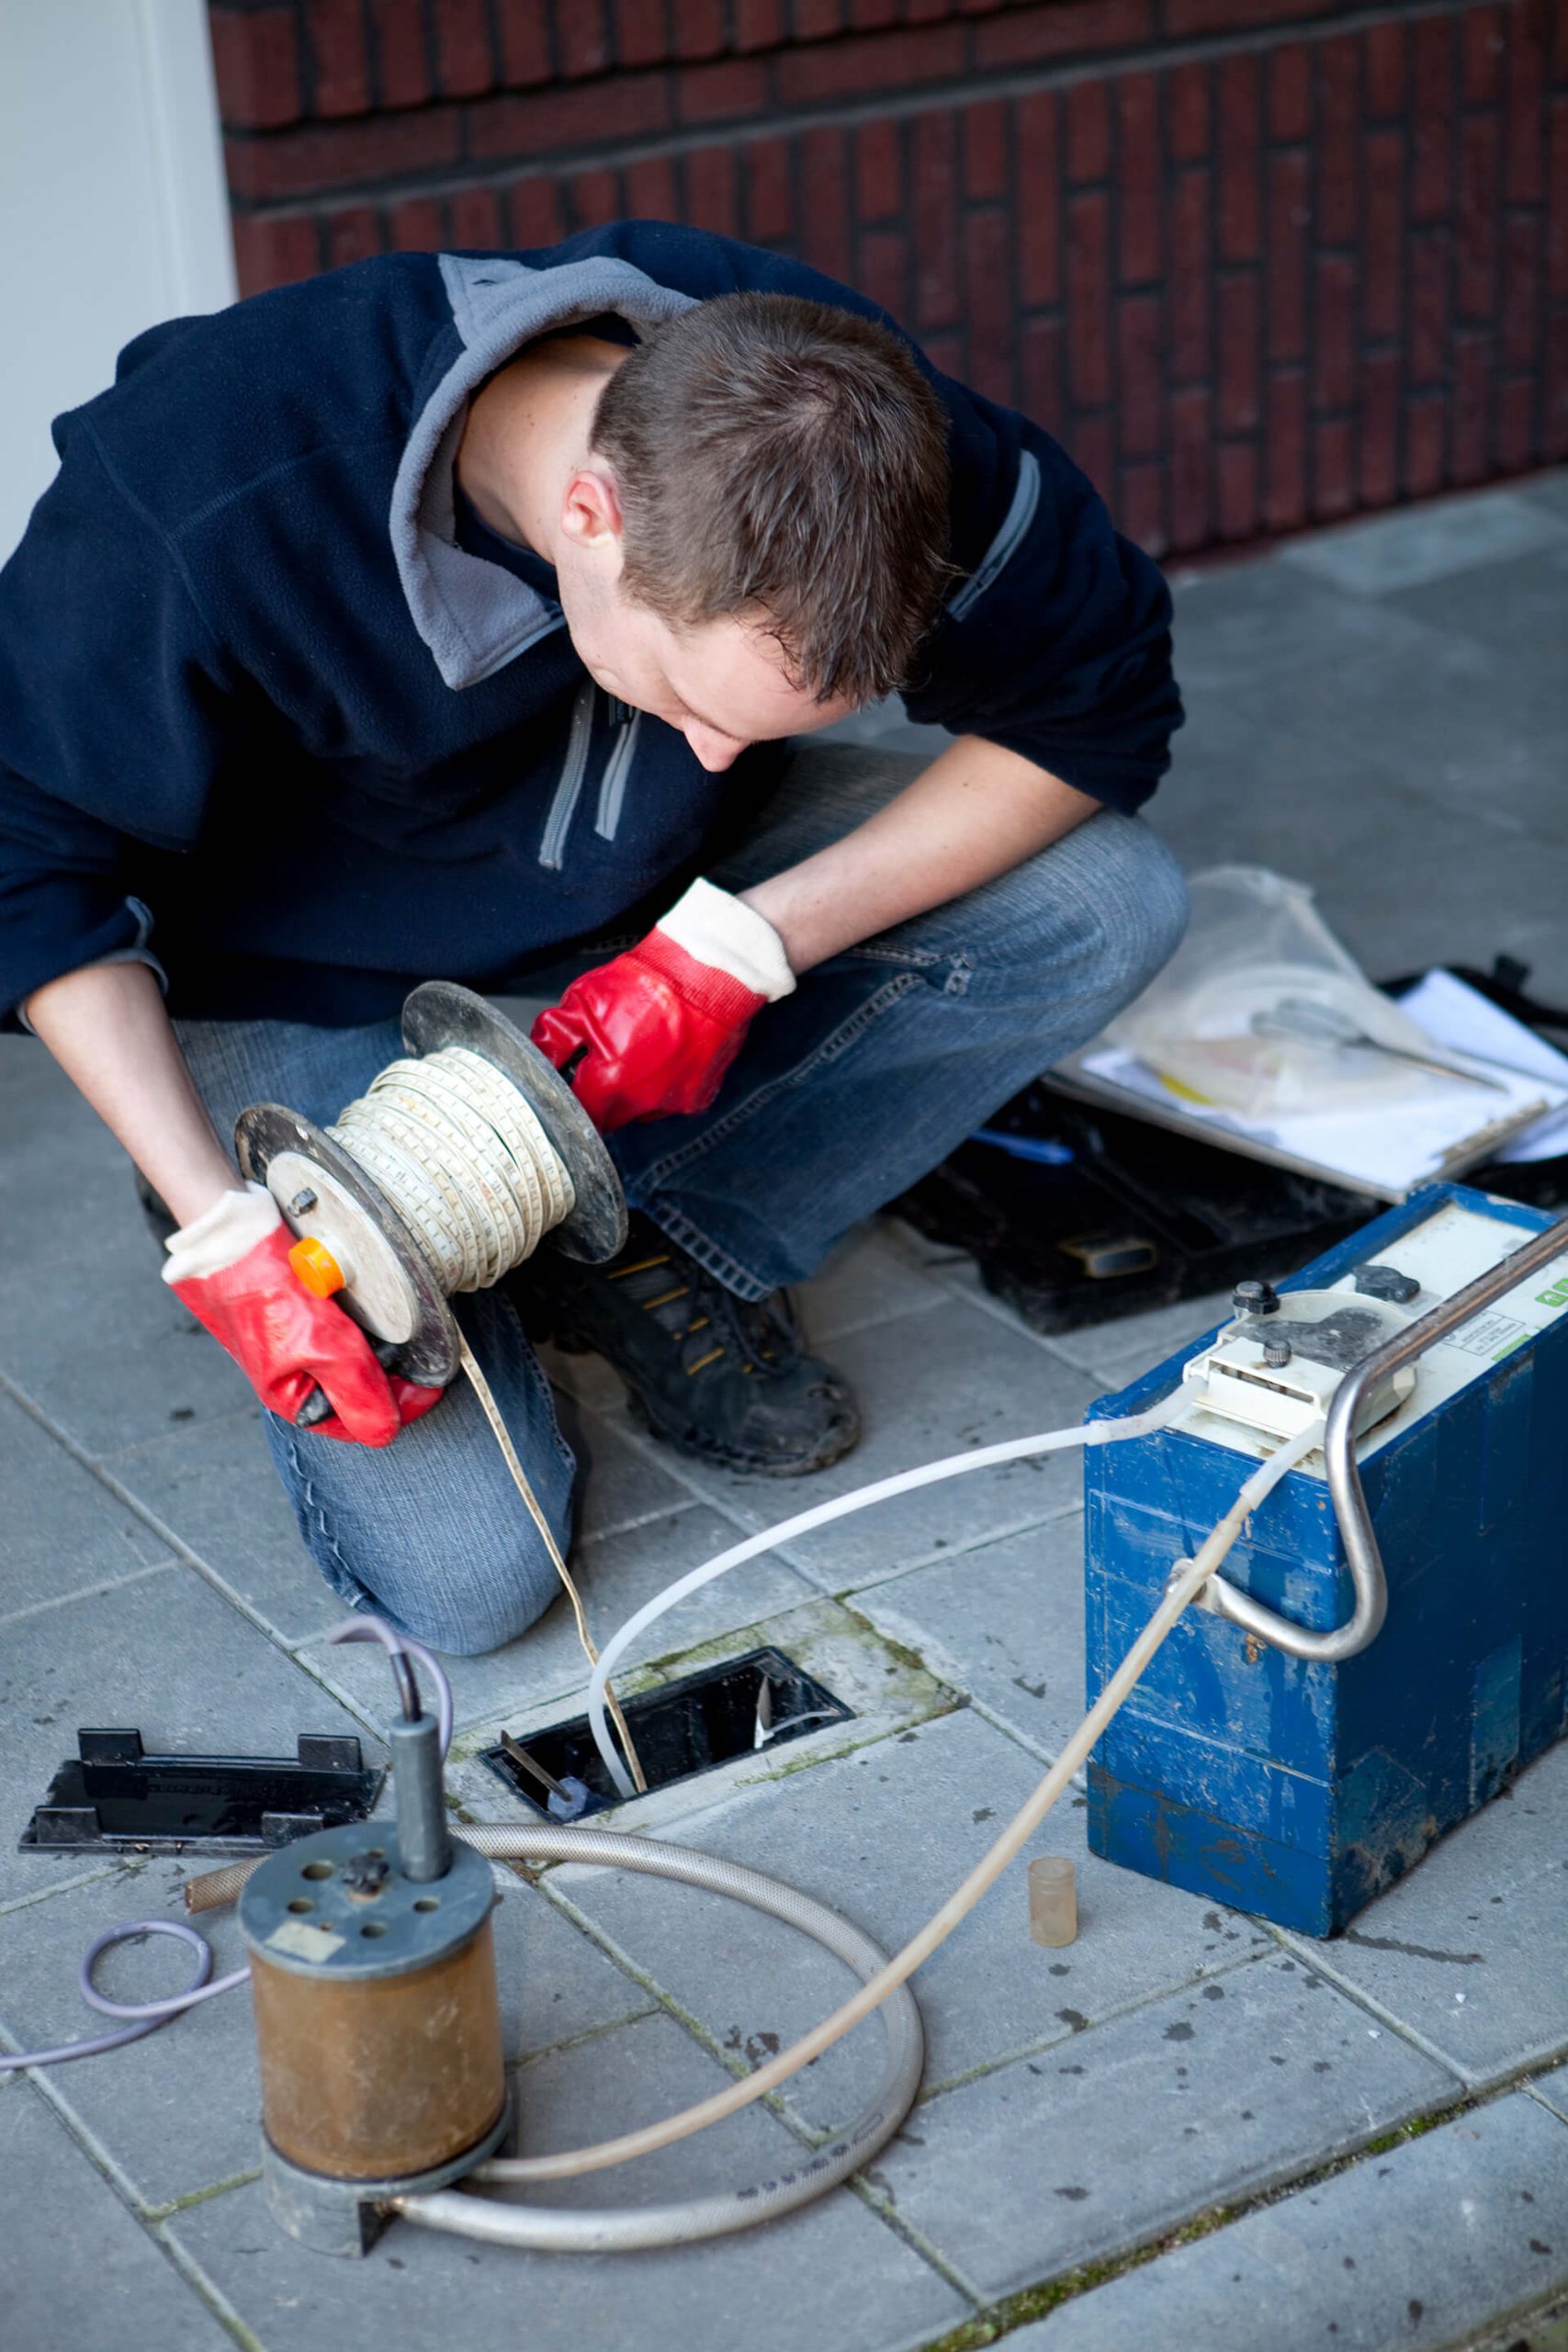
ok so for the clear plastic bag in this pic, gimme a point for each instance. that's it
(1256, 1008)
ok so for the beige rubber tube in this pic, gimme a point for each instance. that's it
(1186, 1582)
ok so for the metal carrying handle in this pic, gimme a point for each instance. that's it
(1365, 1560)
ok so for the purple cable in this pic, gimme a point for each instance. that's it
(399, 1646)
(150, 2015)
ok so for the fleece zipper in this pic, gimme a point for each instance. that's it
(568, 790)
(617, 769)
(1015, 523)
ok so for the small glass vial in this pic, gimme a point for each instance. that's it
(1052, 1900)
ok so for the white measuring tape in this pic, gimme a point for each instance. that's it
(462, 1158)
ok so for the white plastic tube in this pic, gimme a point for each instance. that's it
(480, 2216)
(881, 1490)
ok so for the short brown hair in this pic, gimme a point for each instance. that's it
(782, 458)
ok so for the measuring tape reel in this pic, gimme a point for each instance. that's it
(448, 1173)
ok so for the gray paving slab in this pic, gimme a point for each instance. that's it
(1004, 1622)
(107, 1392)
(1132, 2127)
(1428, 2248)
(884, 1835)
(1328, 809)
(833, 2276)
(177, 2112)
(1518, 608)
(173, 2112)
(212, 1485)
(956, 1379)
(623, 2081)
(1549, 490)
(1553, 2088)
(869, 1278)
(80, 2273)
(1426, 711)
(1254, 623)
(614, 1576)
(1431, 542)
(165, 1654)
(556, 1984)
(620, 1485)
(1467, 1950)
(64, 1532)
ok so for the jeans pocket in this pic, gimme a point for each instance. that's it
(947, 970)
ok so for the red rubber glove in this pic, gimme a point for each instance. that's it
(662, 1023)
(285, 1339)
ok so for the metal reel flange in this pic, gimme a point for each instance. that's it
(392, 1292)
(441, 1012)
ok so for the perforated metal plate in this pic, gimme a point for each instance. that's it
(298, 1912)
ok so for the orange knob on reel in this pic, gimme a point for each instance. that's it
(316, 1267)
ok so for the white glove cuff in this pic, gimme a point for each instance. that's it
(221, 1235)
(723, 931)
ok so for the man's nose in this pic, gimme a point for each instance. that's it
(715, 752)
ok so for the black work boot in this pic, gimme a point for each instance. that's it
(713, 1375)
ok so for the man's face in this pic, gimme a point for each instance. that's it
(722, 685)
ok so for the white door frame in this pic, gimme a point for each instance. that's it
(113, 209)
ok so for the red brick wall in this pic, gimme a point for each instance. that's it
(1258, 263)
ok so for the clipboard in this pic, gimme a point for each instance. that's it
(1389, 1162)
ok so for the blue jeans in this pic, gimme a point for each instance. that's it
(880, 1063)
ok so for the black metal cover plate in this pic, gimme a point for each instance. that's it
(113, 1797)
(687, 1727)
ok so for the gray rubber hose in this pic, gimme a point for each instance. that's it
(608, 2230)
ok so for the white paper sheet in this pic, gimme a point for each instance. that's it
(1388, 1151)
(1456, 1016)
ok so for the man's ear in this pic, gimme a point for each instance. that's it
(591, 509)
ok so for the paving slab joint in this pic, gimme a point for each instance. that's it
(1026, 2304)
(191, 2272)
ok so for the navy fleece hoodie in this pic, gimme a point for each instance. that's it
(257, 677)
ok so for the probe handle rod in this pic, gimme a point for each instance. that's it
(424, 1839)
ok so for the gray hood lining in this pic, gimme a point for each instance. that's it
(476, 616)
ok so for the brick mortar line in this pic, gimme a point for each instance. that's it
(745, 130)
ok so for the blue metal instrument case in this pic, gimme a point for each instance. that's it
(1299, 1790)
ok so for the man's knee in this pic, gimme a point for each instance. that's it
(465, 1580)
(1097, 914)
(1144, 907)
(467, 1601)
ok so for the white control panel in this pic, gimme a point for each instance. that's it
(1239, 1399)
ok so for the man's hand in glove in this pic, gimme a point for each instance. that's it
(662, 1023)
(231, 1268)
